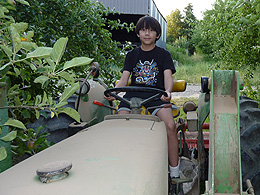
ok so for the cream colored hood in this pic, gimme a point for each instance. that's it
(115, 157)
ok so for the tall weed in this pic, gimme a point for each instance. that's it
(178, 53)
(190, 68)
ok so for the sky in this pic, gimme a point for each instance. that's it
(167, 6)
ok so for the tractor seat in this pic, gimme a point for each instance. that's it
(178, 85)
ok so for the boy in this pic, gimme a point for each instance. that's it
(152, 66)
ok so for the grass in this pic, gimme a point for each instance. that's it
(190, 69)
(193, 69)
(179, 103)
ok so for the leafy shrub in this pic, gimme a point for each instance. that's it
(32, 74)
(85, 23)
(230, 34)
(178, 53)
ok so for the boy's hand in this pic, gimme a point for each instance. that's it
(168, 98)
(109, 98)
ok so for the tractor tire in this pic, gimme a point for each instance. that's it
(250, 142)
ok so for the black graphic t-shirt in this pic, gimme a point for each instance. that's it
(147, 67)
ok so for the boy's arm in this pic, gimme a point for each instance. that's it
(168, 84)
(121, 83)
(124, 79)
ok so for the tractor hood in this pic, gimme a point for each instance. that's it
(122, 155)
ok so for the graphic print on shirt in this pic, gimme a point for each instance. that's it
(145, 73)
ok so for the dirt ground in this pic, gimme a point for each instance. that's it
(191, 91)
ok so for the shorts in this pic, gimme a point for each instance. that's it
(149, 105)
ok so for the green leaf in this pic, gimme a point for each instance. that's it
(16, 39)
(51, 63)
(38, 130)
(72, 113)
(236, 37)
(38, 100)
(20, 27)
(3, 10)
(26, 114)
(15, 123)
(9, 137)
(66, 76)
(3, 153)
(17, 101)
(42, 113)
(45, 98)
(58, 49)
(40, 140)
(7, 50)
(37, 113)
(69, 91)
(28, 46)
(41, 79)
(40, 52)
(244, 20)
(29, 35)
(258, 8)
(17, 71)
(250, 30)
(61, 104)
(257, 22)
(32, 66)
(23, 2)
(78, 61)
(4, 66)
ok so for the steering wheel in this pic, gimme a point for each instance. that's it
(158, 93)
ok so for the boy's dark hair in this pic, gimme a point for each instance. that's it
(148, 22)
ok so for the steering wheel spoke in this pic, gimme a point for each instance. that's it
(158, 93)
(120, 98)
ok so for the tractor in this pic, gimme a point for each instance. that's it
(127, 154)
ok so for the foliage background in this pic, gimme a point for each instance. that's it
(180, 28)
(228, 34)
(85, 24)
(45, 47)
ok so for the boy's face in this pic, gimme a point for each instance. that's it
(147, 36)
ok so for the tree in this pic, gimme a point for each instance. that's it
(85, 24)
(174, 25)
(32, 74)
(188, 26)
(201, 38)
(181, 27)
(188, 22)
(230, 32)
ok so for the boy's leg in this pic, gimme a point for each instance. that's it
(123, 108)
(124, 112)
(165, 114)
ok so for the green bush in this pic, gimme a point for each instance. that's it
(85, 24)
(230, 34)
(178, 53)
(39, 66)
(32, 74)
